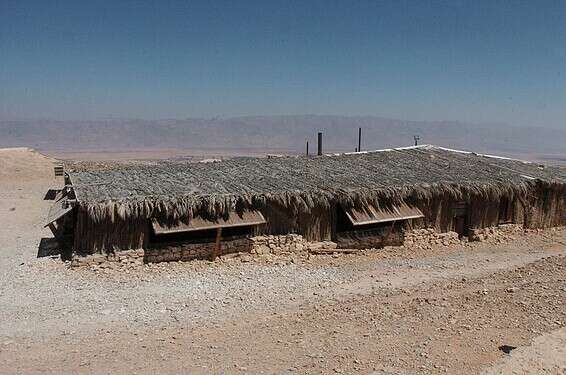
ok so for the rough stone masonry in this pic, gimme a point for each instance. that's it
(284, 244)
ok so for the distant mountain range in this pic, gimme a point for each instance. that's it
(284, 133)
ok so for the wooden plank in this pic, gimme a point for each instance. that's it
(59, 171)
(246, 218)
(54, 230)
(58, 210)
(335, 251)
(373, 215)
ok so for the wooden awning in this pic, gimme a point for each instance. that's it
(372, 215)
(246, 218)
(58, 209)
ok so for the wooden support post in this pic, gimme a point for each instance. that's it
(388, 235)
(218, 244)
(333, 215)
(54, 230)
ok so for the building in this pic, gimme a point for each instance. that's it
(374, 196)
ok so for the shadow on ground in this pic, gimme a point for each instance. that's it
(48, 247)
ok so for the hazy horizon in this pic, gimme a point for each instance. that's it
(468, 61)
(280, 134)
(271, 116)
(254, 115)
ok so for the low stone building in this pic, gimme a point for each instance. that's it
(176, 210)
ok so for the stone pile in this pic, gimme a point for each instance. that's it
(123, 257)
(428, 238)
(501, 233)
(290, 243)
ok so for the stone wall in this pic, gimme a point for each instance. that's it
(429, 238)
(287, 244)
(501, 233)
(169, 252)
(191, 251)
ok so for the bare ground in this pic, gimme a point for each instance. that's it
(447, 310)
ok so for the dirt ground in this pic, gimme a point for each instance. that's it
(396, 311)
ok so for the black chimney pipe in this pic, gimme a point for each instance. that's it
(359, 139)
(307, 148)
(319, 143)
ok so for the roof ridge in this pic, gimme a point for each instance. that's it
(386, 149)
(435, 147)
(484, 155)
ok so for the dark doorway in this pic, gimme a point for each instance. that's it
(459, 225)
(505, 211)
(460, 218)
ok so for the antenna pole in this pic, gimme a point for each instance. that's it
(416, 138)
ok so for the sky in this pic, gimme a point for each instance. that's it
(475, 61)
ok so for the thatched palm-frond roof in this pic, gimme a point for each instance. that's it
(180, 190)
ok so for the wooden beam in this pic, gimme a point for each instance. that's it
(335, 251)
(55, 230)
(218, 244)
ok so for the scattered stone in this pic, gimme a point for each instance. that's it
(507, 348)
(500, 234)
(427, 238)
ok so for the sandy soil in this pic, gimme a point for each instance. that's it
(546, 355)
(446, 310)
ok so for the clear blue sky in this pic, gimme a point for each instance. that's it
(480, 61)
